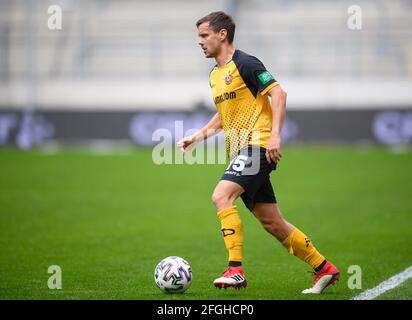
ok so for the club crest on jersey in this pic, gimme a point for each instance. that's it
(228, 78)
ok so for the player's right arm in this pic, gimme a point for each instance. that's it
(210, 129)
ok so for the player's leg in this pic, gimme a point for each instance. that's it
(294, 240)
(244, 176)
(272, 220)
(224, 195)
(298, 244)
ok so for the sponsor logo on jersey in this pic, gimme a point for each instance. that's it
(224, 96)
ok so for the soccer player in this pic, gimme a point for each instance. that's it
(241, 87)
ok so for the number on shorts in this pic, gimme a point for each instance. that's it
(238, 164)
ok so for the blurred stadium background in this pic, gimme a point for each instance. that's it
(119, 70)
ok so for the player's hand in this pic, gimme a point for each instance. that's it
(185, 143)
(273, 149)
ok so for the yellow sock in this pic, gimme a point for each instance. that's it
(232, 230)
(298, 244)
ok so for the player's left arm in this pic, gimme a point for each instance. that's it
(278, 97)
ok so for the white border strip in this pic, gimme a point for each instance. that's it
(389, 284)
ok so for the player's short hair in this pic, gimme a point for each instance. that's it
(219, 20)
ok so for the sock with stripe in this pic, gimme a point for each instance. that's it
(232, 230)
(298, 244)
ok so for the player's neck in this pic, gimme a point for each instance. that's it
(225, 55)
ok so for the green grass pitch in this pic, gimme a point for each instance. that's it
(108, 220)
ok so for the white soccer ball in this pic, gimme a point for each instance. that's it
(173, 275)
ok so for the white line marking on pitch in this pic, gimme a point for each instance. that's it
(389, 284)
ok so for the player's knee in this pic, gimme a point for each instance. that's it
(272, 227)
(221, 200)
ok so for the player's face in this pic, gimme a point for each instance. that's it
(209, 40)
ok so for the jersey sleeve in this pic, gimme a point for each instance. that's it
(255, 75)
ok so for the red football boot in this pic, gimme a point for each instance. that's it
(231, 277)
(328, 275)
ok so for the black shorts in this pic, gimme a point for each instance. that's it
(250, 169)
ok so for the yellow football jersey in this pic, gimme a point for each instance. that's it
(239, 93)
